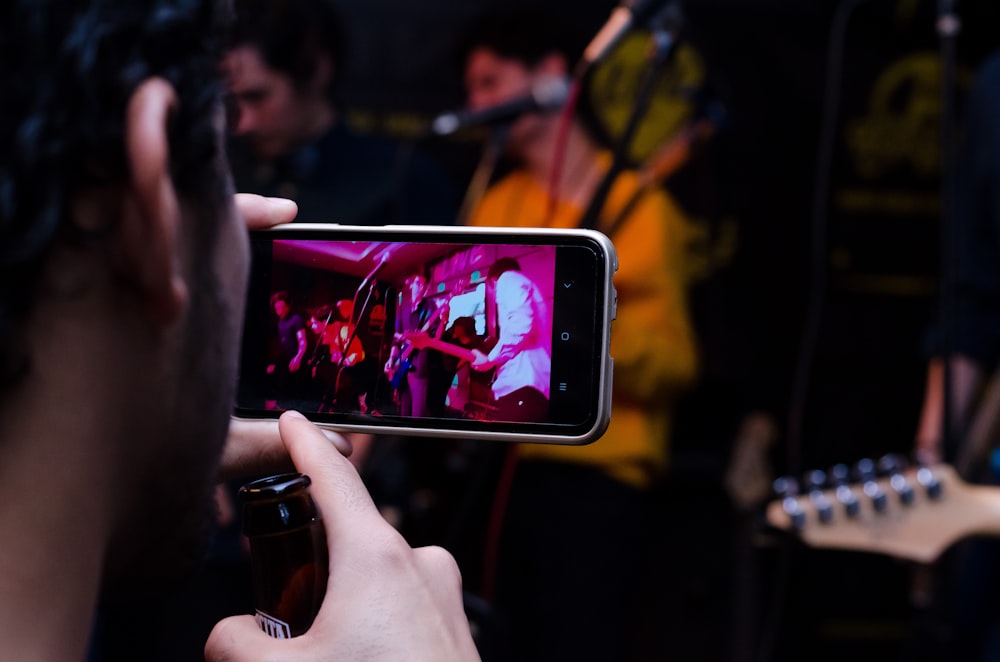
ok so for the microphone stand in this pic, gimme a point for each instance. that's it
(660, 54)
(355, 321)
(357, 314)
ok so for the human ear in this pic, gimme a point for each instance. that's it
(148, 237)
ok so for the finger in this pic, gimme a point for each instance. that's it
(255, 447)
(260, 212)
(348, 510)
(236, 638)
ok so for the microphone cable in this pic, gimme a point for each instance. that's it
(483, 174)
(559, 155)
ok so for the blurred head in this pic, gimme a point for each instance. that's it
(345, 309)
(463, 330)
(505, 55)
(319, 318)
(88, 222)
(502, 266)
(280, 303)
(281, 71)
(416, 285)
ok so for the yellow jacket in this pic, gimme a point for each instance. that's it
(652, 340)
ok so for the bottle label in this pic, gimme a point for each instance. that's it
(272, 626)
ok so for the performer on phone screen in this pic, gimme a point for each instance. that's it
(409, 368)
(523, 353)
(339, 352)
(290, 380)
(462, 335)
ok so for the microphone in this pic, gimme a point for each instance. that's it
(378, 266)
(546, 94)
(624, 17)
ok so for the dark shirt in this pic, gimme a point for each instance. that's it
(348, 178)
(413, 319)
(288, 329)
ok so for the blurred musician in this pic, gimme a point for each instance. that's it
(408, 367)
(337, 353)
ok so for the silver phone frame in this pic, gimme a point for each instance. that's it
(604, 364)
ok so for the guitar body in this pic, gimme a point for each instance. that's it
(403, 367)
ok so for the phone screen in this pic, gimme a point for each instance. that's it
(427, 332)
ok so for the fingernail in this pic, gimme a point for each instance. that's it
(291, 413)
(282, 205)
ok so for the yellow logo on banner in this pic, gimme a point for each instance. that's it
(615, 85)
(903, 124)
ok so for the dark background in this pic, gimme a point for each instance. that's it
(815, 277)
(776, 221)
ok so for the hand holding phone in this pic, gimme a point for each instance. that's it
(401, 602)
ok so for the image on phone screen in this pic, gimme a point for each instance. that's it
(424, 334)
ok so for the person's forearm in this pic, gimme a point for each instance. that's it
(303, 346)
(966, 379)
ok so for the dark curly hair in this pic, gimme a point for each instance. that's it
(67, 70)
(526, 34)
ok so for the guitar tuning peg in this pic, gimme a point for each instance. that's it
(891, 463)
(902, 487)
(930, 482)
(788, 488)
(840, 475)
(865, 469)
(815, 481)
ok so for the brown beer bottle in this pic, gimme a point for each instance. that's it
(288, 551)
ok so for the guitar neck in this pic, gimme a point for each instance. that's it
(448, 348)
(919, 528)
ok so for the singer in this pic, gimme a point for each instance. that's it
(595, 514)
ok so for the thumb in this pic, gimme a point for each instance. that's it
(235, 639)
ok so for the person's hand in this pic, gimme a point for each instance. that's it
(480, 361)
(384, 599)
(927, 451)
(749, 473)
(259, 212)
(254, 448)
(418, 339)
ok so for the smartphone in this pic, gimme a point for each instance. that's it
(452, 332)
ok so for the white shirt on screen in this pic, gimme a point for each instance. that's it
(523, 352)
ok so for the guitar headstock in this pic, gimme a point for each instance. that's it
(913, 513)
